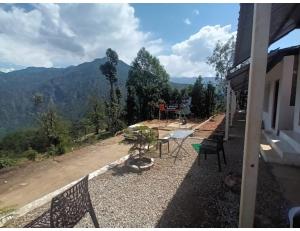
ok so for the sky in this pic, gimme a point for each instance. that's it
(182, 36)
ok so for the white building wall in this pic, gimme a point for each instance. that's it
(283, 72)
(285, 112)
(272, 76)
(297, 103)
(267, 101)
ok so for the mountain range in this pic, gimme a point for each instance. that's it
(192, 80)
(68, 88)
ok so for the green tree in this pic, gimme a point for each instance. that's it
(96, 114)
(79, 128)
(131, 106)
(55, 129)
(113, 108)
(222, 60)
(166, 94)
(198, 94)
(222, 57)
(184, 93)
(209, 101)
(17, 142)
(176, 96)
(109, 70)
(149, 82)
(38, 100)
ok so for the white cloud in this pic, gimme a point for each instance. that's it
(187, 21)
(7, 69)
(188, 58)
(68, 34)
(178, 66)
(196, 12)
(64, 34)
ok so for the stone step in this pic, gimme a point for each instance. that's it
(293, 138)
(276, 150)
(281, 146)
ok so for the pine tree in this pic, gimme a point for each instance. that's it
(197, 95)
(131, 107)
(113, 108)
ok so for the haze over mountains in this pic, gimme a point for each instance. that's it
(192, 80)
(68, 88)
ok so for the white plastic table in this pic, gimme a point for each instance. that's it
(179, 136)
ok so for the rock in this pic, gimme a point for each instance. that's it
(23, 184)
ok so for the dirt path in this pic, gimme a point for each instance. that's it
(185, 185)
(25, 184)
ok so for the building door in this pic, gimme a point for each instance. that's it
(275, 101)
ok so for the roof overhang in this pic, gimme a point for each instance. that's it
(285, 17)
(239, 78)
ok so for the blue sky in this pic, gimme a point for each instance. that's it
(182, 36)
(291, 39)
(167, 20)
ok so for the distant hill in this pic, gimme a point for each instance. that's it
(179, 86)
(68, 88)
(191, 80)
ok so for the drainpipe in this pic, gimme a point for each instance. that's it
(257, 74)
(227, 111)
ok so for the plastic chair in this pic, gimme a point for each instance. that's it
(67, 208)
(212, 146)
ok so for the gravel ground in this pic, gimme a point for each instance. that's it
(271, 206)
(178, 195)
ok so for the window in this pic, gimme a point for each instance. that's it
(294, 81)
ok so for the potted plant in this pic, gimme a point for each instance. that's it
(141, 138)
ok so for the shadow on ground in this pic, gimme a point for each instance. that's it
(203, 200)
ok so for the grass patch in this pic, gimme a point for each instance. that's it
(6, 210)
(104, 135)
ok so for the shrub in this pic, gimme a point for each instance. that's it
(18, 141)
(6, 162)
(57, 150)
(30, 154)
(141, 137)
(61, 149)
(51, 151)
(6, 153)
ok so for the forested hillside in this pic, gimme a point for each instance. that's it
(68, 88)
